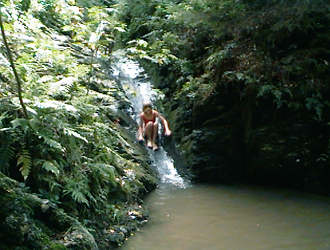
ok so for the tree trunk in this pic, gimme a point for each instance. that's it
(10, 57)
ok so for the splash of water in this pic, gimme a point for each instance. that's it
(139, 90)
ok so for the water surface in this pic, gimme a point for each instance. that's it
(219, 217)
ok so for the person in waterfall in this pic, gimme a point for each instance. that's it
(148, 127)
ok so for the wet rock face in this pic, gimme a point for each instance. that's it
(205, 139)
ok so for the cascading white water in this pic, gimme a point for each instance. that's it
(139, 90)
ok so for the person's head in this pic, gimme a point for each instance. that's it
(147, 108)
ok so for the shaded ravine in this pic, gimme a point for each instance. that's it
(210, 217)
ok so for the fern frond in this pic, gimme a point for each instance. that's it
(72, 133)
(79, 197)
(105, 172)
(104, 156)
(7, 152)
(2, 118)
(51, 166)
(76, 195)
(21, 122)
(24, 160)
(52, 143)
(78, 189)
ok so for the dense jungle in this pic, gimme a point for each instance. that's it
(243, 84)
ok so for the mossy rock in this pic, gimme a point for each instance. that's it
(78, 237)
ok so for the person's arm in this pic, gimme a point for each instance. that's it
(167, 131)
(140, 130)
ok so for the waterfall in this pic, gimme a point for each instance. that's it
(139, 90)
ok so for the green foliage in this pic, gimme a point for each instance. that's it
(212, 34)
(7, 153)
(24, 162)
(69, 152)
(78, 188)
(50, 166)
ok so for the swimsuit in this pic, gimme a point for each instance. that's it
(146, 120)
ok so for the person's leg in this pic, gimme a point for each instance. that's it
(141, 134)
(154, 136)
(148, 133)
